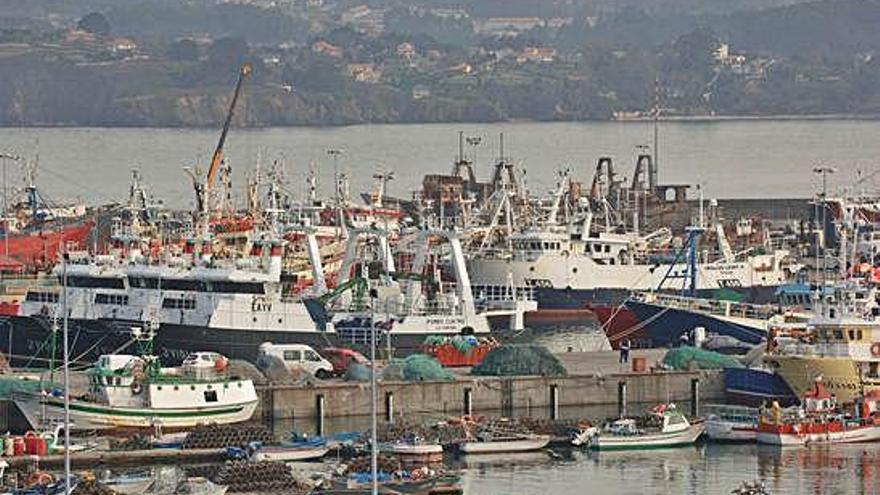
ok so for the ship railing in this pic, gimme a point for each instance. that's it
(712, 306)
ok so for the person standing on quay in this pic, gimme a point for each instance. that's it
(624, 352)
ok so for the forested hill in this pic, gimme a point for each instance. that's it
(323, 62)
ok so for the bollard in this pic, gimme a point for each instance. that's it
(468, 402)
(319, 417)
(554, 402)
(389, 407)
(695, 396)
(621, 399)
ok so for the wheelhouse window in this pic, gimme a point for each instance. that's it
(93, 282)
(42, 296)
(114, 299)
(179, 303)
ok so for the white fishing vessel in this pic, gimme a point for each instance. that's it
(134, 391)
(412, 305)
(729, 423)
(499, 445)
(667, 427)
(289, 453)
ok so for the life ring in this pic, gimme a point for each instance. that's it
(136, 388)
(875, 349)
(565, 254)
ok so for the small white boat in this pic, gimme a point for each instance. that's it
(673, 430)
(129, 484)
(419, 449)
(289, 453)
(726, 423)
(527, 443)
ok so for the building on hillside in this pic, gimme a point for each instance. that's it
(536, 54)
(321, 47)
(365, 73)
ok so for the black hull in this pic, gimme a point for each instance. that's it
(27, 341)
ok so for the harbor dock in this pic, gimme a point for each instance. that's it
(594, 379)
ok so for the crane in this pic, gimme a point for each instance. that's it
(202, 193)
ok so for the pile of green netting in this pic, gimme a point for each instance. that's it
(10, 386)
(681, 358)
(463, 343)
(416, 368)
(519, 359)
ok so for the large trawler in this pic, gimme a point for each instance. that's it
(842, 347)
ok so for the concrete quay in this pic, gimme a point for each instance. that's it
(594, 379)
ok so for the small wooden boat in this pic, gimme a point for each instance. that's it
(670, 429)
(287, 453)
(727, 423)
(129, 483)
(497, 445)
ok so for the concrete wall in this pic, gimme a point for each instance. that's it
(487, 394)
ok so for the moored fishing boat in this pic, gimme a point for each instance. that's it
(289, 453)
(504, 444)
(128, 391)
(821, 420)
(666, 427)
(728, 423)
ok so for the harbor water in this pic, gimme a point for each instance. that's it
(703, 470)
(730, 159)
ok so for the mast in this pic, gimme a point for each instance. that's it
(374, 448)
(652, 173)
(67, 490)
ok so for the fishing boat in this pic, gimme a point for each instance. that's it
(134, 391)
(821, 420)
(729, 423)
(489, 444)
(666, 427)
(289, 453)
(841, 345)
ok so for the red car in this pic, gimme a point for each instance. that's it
(341, 358)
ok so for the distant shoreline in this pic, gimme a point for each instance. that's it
(624, 120)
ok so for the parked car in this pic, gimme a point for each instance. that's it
(299, 357)
(341, 358)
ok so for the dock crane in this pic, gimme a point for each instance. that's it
(203, 190)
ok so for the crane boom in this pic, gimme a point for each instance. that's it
(245, 71)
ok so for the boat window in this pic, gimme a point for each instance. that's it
(144, 282)
(183, 284)
(94, 282)
(236, 287)
(607, 248)
(42, 296)
(838, 335)
(114, 299)
(292, 355)
(852, 334)
(210, 396)
(178, 303)
(312, 356)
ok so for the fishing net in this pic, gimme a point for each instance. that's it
(683, 358)
(10, 386)
(420, 367)
(519, 359)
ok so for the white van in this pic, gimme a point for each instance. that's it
(298, 357)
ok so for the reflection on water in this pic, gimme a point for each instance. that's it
(706, 469)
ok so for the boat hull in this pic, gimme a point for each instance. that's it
(27, 340)
(507, 447)
(722, 431)
(290, 454)
(91, 416)
(787, 437)
(752, 387)
(649, 441)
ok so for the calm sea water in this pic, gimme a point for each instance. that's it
(730, 158)
(708, 469)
